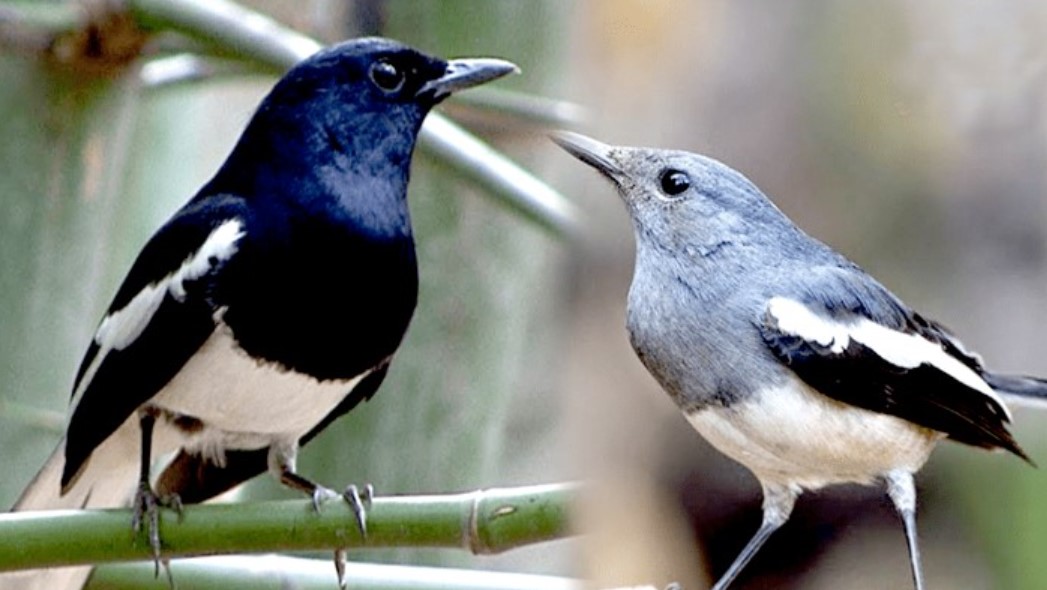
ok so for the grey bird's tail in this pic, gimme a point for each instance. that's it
(1019, 390)
(107, 482)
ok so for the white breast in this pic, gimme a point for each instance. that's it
(244, 403)
(795, 436)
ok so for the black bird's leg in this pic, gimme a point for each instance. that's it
(777, 506)
(282, 464)
(902, 491)
(146, 502)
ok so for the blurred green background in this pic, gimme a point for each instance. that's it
(910, 136)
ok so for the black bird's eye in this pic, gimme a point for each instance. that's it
(674, 182)
(387, 76)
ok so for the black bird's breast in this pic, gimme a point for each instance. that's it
(318, 295)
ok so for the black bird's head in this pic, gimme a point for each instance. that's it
(376, 77)
(344, 122)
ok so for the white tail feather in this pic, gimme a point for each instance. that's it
(108, 481)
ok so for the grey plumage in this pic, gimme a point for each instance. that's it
(781, 352)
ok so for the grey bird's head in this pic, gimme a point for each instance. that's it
(682, 202)
(707, 240)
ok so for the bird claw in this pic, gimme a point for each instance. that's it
(360, 503)
(320, 495)
(147, 510)
(340, 558)
(358, 500)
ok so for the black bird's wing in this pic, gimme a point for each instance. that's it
(196, 478)
(851, 339)
(160, 317)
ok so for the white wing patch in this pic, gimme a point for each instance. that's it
(907, 351)
(122, 327)
(218, 247)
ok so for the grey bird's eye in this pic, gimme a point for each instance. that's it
(674, 182)
(387, 76)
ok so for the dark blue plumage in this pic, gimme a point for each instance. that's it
(271, 303)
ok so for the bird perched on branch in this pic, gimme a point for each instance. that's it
(265, 308)
(783, 354)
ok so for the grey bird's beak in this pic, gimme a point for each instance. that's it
(590, 151)
(466, 73)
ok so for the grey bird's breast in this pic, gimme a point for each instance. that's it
(697, 342)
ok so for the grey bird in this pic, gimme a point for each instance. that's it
(785, 355)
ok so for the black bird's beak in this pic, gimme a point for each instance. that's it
(590, 151)
(466, 73)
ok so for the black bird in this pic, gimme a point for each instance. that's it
(265, 308)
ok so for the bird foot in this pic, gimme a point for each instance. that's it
(340, 557)
(360, 502)
(320, 495)
(146, 510)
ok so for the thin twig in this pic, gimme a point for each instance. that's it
(234, 30)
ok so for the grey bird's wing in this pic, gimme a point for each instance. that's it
(849, 338)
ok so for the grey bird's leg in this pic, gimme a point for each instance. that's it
(778, 504)
(902, 491)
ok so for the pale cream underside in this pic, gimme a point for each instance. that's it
(244, 404)
(794, 436)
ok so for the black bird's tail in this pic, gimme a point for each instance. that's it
(1019, 390)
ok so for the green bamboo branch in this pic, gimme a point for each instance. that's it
(520, 108)
(44, 419)
(228, 29)
(481, 522)
(279, 572)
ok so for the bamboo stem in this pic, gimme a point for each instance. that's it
(482, 522)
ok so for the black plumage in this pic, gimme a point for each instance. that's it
(923, 394)
(270, 304)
